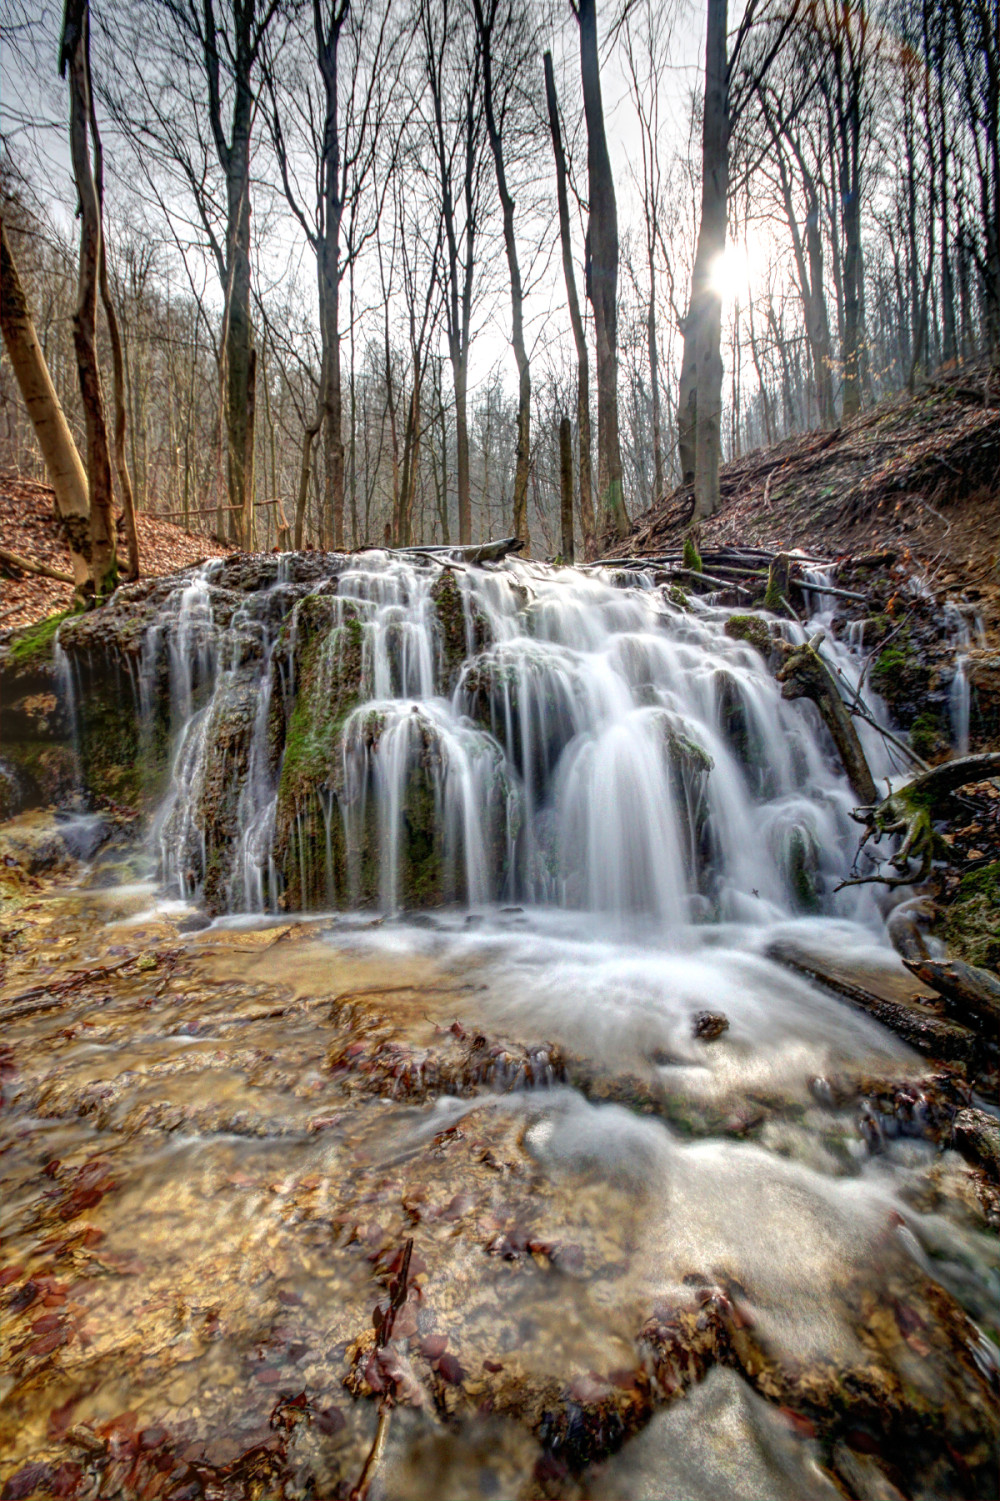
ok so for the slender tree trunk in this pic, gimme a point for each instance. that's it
(117, 364)
(654, 380)
(519, 523)
(602, 281)
(62, 459)
(701, 370)
(239, 333)
(566, 489)
(74, 53)
(587, 526)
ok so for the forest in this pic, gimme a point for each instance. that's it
(364, 259)
(500, 750)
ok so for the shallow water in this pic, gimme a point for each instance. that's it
(651, 1257)
(214, 1197)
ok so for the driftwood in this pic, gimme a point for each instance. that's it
(804, 674)
(972, 994)
(28, 565)
(480, 552)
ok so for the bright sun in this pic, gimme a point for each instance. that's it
(733, 272)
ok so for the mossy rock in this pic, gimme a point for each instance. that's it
(929, 734)
(462, 629)
(753, 630)
(328, 671)
(35, 645)
(972, 921)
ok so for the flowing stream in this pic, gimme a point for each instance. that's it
(499, 863)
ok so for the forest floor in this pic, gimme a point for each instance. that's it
(29, 526)
(920, 473)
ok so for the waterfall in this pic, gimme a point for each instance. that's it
(388, 730)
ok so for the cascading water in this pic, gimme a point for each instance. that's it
(398, 732)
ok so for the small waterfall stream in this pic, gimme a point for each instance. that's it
(511, 733)
(683, 1220)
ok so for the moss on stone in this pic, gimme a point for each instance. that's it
(36, 643)
(692, 557)
(752, 629)
(679, 597)
(929, 734)
(972, 922)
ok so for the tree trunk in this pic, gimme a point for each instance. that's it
(62, 459)
(74, 53)
(117, 365)
(587, 527)
(602, 282)
(566, 488)
(700, 430)
(523, 462)
(239, 335)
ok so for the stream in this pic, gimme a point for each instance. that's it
(461, 920)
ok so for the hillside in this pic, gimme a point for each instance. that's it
(920, 472)
(29, 526)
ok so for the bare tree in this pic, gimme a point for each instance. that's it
(504, 37)
(602, 278)
(576, 320)
(453, 70)
(74, 59)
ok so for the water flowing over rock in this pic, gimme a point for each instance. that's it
(399, 731)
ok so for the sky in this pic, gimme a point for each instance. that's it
(32, 100)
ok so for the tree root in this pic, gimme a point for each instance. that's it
(910, 811)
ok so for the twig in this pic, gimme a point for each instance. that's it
(383, 1333)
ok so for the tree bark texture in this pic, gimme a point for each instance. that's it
(62, 459)
(566, 488)
(587, 527)
(602, 282)
(75, 59)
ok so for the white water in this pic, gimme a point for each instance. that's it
(590, 787)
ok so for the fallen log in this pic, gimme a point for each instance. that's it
(804, 674)
(910, 1017)
(972, 994)
(479, 552)
(807, 587)
(28, 565)
(709, 578)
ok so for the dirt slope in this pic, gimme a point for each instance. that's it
(919, 472)
(28, 526)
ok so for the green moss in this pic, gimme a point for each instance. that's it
(893, 663)
(928, 734)
(972, 922)
(679, 597)
(692, 557)
(35, 644)
(751, 629)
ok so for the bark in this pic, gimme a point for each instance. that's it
(701, 371)
(587, 527)
(459, 263)
(804, 674)
(74, 59)
(566, 488)
(117, 367)
(485, 22)
(62, 459)
(329, 270)
(28, 565)
(602, 282)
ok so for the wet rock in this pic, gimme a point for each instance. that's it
(754, 630)
(976, 1135)
(708, 1025)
